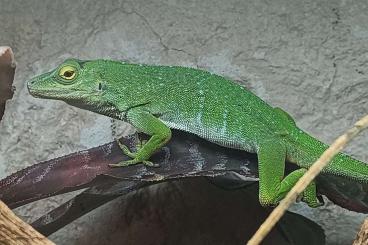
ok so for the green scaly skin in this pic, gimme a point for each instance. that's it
(155, 99)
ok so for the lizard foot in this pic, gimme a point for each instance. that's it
(312, 200)
(314, 203)
(133, 155)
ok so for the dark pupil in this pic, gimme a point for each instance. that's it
(68, 73)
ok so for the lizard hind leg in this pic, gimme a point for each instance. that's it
(272, 185)
(309, 195)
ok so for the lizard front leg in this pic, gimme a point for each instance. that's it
(148, 124)
(272, 185)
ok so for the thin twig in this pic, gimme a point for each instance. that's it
(306, 179)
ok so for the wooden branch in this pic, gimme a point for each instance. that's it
(362, 236)
(14, 231)
(7, 69)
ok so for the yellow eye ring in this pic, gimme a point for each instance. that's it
(68, 72)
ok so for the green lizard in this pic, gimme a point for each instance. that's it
(156, 98)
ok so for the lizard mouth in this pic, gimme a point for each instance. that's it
(34, 93)
(51, 94)
(60, 94)
(47, 94)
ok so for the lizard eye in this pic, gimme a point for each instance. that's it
(68, 72)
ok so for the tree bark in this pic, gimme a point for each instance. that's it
(362, 236)
(13, 231)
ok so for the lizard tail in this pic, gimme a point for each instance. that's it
(306, 150)
(346, 166)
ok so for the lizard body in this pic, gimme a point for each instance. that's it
(156, 98)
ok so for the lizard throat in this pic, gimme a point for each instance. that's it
(103, 108)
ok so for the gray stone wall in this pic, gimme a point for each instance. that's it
(308, 57)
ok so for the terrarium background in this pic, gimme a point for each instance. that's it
(308, 57)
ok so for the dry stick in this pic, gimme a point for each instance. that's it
(362, 236)
(13, 231)
(306, 179)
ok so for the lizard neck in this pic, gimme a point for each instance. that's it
(304, 150)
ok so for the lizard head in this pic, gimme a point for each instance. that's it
(72, 81)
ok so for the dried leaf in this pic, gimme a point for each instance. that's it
(185, 156)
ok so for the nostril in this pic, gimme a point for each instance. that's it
(30, 83)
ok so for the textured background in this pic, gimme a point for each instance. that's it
(308, 57)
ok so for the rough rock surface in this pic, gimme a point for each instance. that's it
(308, 57)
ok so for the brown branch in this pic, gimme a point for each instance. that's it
(362, 236)
(306, 179)
(14, 231)
(7, 69)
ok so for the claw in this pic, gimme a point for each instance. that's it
(315, 204)
(125, 149)
(133, 162)
(151, 164)
(133, 155)
(124, 163)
